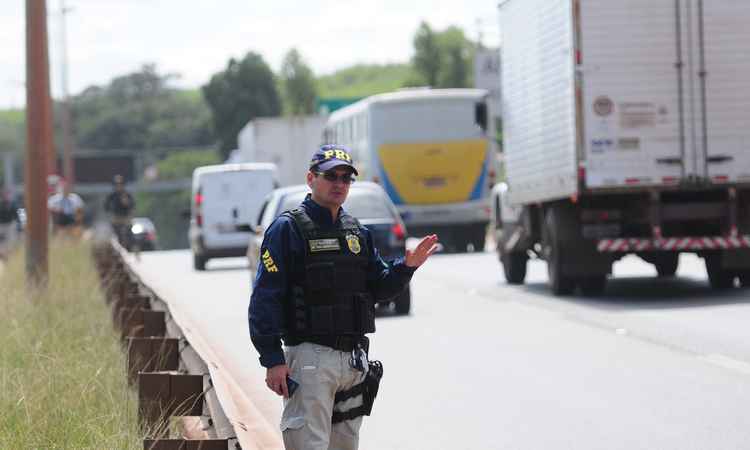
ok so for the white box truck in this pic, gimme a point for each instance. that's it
(225, 198)
(626, 130)
(288, 142)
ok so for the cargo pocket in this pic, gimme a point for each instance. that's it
(292, 423)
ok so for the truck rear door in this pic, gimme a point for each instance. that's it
(724, 50)
(663, 96)
(233, 198)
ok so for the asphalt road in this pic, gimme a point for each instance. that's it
(479, 364)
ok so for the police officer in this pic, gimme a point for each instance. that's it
(315, 290)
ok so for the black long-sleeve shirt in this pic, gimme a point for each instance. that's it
(119, 203)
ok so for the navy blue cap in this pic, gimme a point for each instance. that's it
(332, 155)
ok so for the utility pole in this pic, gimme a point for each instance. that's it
(39, 142)
(67, 127)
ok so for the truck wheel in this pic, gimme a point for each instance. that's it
(514, 266)
(560, 283)
(718, 277)
(199, 262)
(594, 285)
(666, 264)
(402, 303)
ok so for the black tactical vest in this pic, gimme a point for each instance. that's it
(329, 297)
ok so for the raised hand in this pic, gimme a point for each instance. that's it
(426, 247)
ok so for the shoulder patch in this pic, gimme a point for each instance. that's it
(268, 262)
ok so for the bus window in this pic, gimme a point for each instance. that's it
(480, 116)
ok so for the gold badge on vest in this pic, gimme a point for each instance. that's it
(353, 242)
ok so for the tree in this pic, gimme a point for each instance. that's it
(242, 92)
(442, 59)
(427, 54)
(139, 111)
(12, 138)
(456, 58)
(165, 208)
(298, 83)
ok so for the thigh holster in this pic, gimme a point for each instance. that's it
(368, 389)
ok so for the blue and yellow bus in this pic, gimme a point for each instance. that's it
(430, 150)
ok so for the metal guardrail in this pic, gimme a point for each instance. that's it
(171, 375)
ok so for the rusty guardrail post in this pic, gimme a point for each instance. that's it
(131, 302)
(152, 354)
(181, 444)
(165, 394)
(138, 322)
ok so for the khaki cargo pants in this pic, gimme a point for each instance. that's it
(306, 421)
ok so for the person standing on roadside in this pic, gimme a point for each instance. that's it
(315, 290)
(66, 209)
(8, 223)
(120, 206)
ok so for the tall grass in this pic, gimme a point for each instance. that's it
(62, 369)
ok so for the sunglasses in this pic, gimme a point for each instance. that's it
(346, 178)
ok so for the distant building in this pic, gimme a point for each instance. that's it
(487, 76)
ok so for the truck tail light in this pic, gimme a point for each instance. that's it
(720, 178)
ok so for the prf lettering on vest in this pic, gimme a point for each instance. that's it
(268, 262)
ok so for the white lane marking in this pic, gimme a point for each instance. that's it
(727, 362)
(621, 331)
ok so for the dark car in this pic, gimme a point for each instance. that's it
(143, 234)
(368, 202)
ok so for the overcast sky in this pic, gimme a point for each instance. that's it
(195, 38)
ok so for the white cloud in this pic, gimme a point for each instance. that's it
(196, 38)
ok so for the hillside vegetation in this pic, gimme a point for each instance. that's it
(365, 79)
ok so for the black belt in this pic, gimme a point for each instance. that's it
(343, 343)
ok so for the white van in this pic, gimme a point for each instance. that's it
(225, 197)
